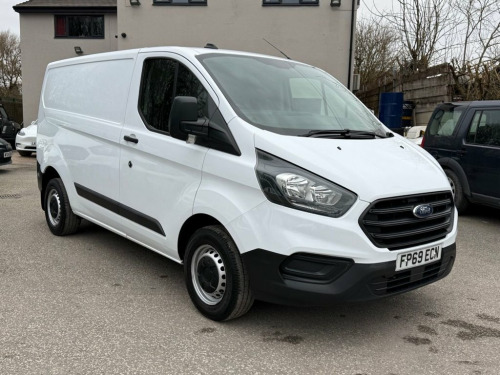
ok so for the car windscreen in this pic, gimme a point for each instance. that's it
(287, 97)
(445, 118)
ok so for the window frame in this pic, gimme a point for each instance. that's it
(481, 112)
(66, 16)
(176, 77)
(177, 3)
(266, 3)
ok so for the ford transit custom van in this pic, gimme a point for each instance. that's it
(265, 177)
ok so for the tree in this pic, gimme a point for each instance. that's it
(475, 52)
(375, 52)
(462, 33)
(10, 64)
(420, 26)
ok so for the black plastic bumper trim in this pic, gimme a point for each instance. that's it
(360, 282)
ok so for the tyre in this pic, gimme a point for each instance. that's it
(60, 218)
(216, 278)
(461, 201)
(24, 153)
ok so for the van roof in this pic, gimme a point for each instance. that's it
(131, 53)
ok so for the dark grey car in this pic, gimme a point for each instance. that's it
(5, 152)
(8, 128)
(465, 139)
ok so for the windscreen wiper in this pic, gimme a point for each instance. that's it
(344, 133)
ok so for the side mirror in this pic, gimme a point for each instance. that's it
(184, 120)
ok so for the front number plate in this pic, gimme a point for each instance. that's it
(418, 257)
(7, 154)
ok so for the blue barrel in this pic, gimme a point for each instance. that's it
(390, 110)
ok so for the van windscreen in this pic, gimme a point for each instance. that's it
(287, 97)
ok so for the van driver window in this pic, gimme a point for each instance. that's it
(162, 80)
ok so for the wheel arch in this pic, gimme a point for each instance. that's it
(49, 174)
(190, 226)
(454, 166)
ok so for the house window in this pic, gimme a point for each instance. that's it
(290, 2)
(79, 27)
(179, 2)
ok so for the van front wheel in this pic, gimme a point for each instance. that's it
(457, 189)
(216, 278)
(60, 218)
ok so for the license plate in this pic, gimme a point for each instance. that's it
(7, 154)
(417, 258)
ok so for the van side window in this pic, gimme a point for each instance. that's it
(157, 89)
(485, 128)
(162, 80)
(189, 85)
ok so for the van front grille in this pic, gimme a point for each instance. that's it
(391, 223)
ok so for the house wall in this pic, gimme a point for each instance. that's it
(318, 35)
(39, 47)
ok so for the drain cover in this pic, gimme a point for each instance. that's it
(10, 196)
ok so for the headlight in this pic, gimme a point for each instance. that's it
(289, 185)
(21, 132)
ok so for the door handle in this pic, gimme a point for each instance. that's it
(131, 138)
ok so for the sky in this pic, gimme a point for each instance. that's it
(9, 20)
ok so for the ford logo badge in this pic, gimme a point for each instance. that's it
(423, 210)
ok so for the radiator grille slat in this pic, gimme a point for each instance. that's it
(390, 223)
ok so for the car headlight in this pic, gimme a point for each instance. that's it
(21, 132)
(289, 185)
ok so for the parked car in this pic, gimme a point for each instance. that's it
(5, 152)
(464, 137)
(26, 139)
(265, 177)
(8, 128)
(415, 134)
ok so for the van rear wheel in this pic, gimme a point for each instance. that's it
(215, 275)
(457, 189)
(60, 218)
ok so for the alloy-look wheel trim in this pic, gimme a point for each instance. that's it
(54, 207)
(208, 274)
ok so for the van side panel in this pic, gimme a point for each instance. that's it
(97, 89)
(84, 106)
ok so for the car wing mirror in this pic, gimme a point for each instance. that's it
(184, 121)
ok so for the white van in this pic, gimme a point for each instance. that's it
(265, 177)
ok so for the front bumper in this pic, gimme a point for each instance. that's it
(272, 279)
(26, 143)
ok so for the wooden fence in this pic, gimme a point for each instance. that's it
(425, 89)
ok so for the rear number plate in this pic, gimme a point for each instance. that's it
(418, 257)
(7, 154)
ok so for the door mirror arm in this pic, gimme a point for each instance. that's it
(198, 127)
